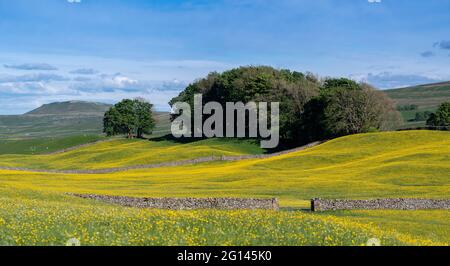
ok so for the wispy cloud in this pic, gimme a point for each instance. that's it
(32, 78)
(427, 54)
(31, 67)
(74, 1)
(82, 79)
(84, 71)
(374, 1)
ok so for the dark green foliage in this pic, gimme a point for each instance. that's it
(309, 110)
(144, 120)
(312, 120)
(259, 84)
(409, 107)
(345, 107)
(421, 116)
(130, 117)
(333, 83)
(344, 112)
(441, 117)
(111, 122)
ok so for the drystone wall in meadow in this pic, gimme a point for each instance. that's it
(164, 164)
(187, 203)
(379, 204)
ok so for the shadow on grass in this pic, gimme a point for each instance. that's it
(284, 145)
(295, 209)
(170, 137)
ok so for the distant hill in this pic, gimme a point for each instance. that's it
(71, 108)
(63, 119)
(425, 96)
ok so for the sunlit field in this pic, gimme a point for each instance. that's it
(48, 219)
(34, 209)
(123, 152)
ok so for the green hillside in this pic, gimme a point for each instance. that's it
(45, 126)
(426, 97)
(389, 164)
(35, 209)
(128, 152)
(65, 119)
(44, 145)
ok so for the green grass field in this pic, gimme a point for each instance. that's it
(44, 145)
(125, 152)
(391, 164)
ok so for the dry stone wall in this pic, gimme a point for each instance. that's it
(164, 164)
(187, 203)
(379, 204)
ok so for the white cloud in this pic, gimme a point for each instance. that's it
(103, 88)
(374, 1)
(117, 81)
(74, 1)
(157, 81)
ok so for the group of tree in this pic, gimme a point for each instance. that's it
(310, 108)
(441, 117)
(130, 117)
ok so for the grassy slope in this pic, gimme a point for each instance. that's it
(394, 164)
(433, 225)
(45, 126)
(426, 97)
(44, 145)
(123, 152)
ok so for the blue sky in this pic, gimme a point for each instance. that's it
(106, 50)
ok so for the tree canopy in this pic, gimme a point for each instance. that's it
(130, 117)
(441, 117)
(310, 108)
(345, 107)
(259, 84)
